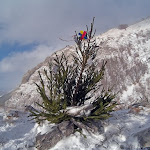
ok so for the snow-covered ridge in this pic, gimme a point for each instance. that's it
(128, 69)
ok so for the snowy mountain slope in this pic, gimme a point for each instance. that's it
(27, 93)
(128, 55)
(128, 69)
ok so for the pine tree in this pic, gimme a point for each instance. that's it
(75, 91)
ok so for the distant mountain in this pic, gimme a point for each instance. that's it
(127, 51)
(2, 93)
(5, 96)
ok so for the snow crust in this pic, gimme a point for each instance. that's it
(16, 132)
(19, 132)
(119, 131)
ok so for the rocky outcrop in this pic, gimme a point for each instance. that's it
(122, 26)
(48, 140)
(64, 129)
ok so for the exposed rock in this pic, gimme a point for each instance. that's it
(96, 126)
(64, 129)
(29, 108)
(48, 140)
(13, 113)
(27, 76)
(122, 26)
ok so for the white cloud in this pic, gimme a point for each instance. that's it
(45, 21)
(13, 67)
(24, 60)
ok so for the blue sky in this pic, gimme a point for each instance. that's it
(7, 49)
(30, 29)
